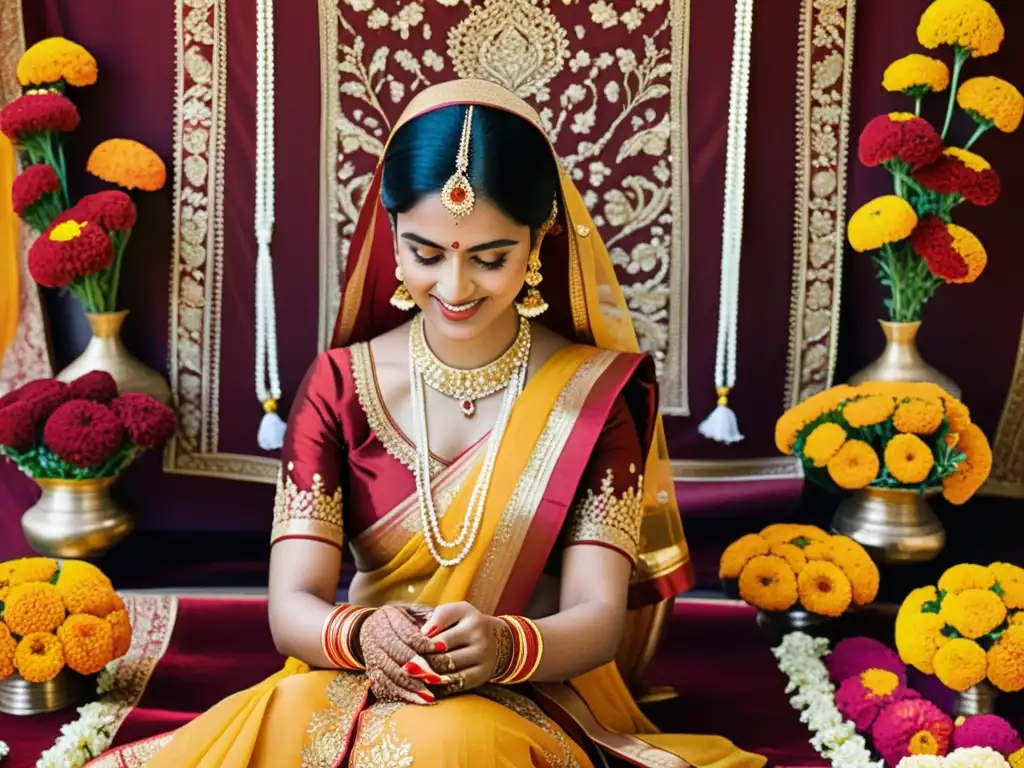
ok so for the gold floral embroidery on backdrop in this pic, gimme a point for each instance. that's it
(824, 77)
(313, 512)
(1007, 477)
(609, 82)
(609, 517)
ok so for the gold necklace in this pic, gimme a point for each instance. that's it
(471, 384)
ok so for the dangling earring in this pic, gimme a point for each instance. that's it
(533, 304)
(401, 298)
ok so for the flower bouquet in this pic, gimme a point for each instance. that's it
(73, 440)
(890, 442)
(798, 575)
(56, 617)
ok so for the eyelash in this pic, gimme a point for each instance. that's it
(429, 261)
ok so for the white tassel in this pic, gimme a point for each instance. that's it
(721, 425)
(271, 434)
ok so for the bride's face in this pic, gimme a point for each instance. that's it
(462, 275)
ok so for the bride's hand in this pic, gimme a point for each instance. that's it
(392, 647)
(474, 643)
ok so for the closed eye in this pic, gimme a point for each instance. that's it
(426, 261)
(496, 263)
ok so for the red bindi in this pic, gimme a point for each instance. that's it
(455, 245)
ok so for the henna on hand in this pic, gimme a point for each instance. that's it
(384, 640)
(503, 645)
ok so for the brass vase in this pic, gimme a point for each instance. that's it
(901, 360)
(67, 689)
(75, 519)
(979, 699)
(106, 352)
(894, 526)
(778, 624)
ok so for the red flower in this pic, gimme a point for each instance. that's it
(853, 655)
(36, 400)
(32, 184)
(18, 426)
(83, 433)
(961, 172)
(148, 421)
(69, 250)
(899, 136)
(38, 113)
(862, 698)
(988, 731)
(113, 210)
(951, 252)
(909, 727)
(98, 386)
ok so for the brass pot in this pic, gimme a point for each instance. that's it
(67, 689)
(75, 519)
(778, 624)
(106, 352)
(979, 699)
(894, 526)
(901, 360)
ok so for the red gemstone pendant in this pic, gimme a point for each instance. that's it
(468, 408)
(457, 195)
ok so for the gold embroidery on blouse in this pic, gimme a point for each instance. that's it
(299, 512)
(376, 415)
(610, 518)
(390, 751)
(329, 730)
(529, 711)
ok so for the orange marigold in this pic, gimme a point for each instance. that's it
(858, 566)
(868, 411)
(880, 682)
(960, 663)
(854, 466)
(121, 632)
(972, 472)
(128, 164)
(54, 59)
(958, 414)
(780, 533)
(87, 595)
(918, 416)
(824, 442)
(1017, 618)
(33, 607)
(973, 612)
(39, 657)
(799, 416)
(792, 554)
(27, 569)
(767, 582)
(964, 576)
(1011, 582)
(824, 589)
(88, 643)
(1016, 760)
(909, 459)
(7, 646)
(739, 553)
(1006, 660)
(80, 569)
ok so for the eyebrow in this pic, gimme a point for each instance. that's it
(475, 249)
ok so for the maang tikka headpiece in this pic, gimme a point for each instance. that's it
(457, 195)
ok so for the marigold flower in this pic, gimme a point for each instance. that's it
(83, 433)
(33, 607)
(972, 472)
(854, 655)
(38, 113)
(992, 100)
(1016, 618)
(963, 173)
(7, 646)
(36, 184)
(54, 59)
(1016, 760)
(987, 731)
(916, 75)
(973, 612)
(824, 589)
(886, 219)
(972, 24)
(88, 643)
(67, 251)
(918, 416)
(964, 576)
(121, 632)
(111, 209)
(128, 164)
(39, 657)
(908, 459)
(739, 553)
(957, 414)
(768, 583)
(951, 252)
(854, 561)
(80, 570)
(960, 663)
(1006, 660)
(148, 421)
(26, 569)
(899, 136)
(868, 411)
(83, 593)
(98, 386)
(854, 466)
(796, 418)
(786, 533)
(862, 698)
(900, 725)
(1011, 582)
(824, 442)
(792, 554)
(918, 638)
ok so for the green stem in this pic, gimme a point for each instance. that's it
(917, 106)
(63, 171)
(891, 266)
(120, 240)
(960, 56)
(978, 133)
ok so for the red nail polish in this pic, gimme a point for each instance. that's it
(440, 646)
(433, 679)
(431, 631)
(427, 696)
(414, 669)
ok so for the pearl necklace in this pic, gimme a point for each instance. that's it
(467, 385)
(421, 469)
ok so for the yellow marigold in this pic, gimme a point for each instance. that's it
(971, 24)
(802, 414)
(992, 99)
(918, 416)
(854, 466)
(1016, 760)
(960, 578)
(1011, 582)
(33, 607)
(739, 553)
(824, 442)
(780, 533)
(868, 411)
(960, 663)
(923, 743)
(916, 75)
(973, 161)
(918, 638)
(908, 459)
(121, 632)
(827, 400)
(792, 554)
(27, 569)
(858, 566)
(824, 589)
(7, 646)
(1006, 660)
(767, 582)
(1017, 619)
(974, 612)
(128, 164)
(880, 682)
(902, 389)
(54, 59)
(972, 472)
(39, 657)
(88, 643)
(886, 219)
(969, 248)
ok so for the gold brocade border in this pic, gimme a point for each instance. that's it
(824, 77)
(197, 263)
(736, 470)
(1007, 478)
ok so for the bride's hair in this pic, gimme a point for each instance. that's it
(510, 162)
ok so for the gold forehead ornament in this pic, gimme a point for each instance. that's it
(457, 195)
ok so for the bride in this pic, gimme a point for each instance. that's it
(484, 437)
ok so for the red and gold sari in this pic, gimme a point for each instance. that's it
(583, 461)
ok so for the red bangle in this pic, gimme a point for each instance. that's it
(527, 650)
(337, 639)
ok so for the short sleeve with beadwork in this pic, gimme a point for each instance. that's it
(607, 510)
(308, 502)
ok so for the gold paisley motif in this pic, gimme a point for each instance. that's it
(315, 512)
(328, 731)
(609, 517)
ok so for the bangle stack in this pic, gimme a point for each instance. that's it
(527, 650)
(337, 639)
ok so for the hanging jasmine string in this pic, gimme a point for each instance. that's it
(268, 384)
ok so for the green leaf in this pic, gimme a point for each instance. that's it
(997, 588)
(948, 631)
(801, 541)
(932, 606)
